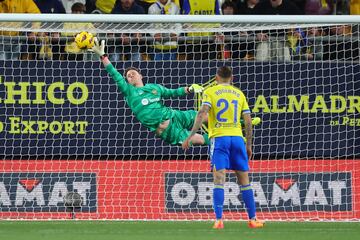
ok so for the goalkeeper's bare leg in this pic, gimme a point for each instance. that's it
(173, 132)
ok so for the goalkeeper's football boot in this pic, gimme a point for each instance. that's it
(219, 224)
(254, 223)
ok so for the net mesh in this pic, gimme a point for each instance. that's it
(65, 126)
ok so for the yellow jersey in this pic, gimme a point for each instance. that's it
(355, 7)
(227, 104)
(201, 7)
(106, 6)
(17, 6)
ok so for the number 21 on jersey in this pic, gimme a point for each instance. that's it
(227, 111)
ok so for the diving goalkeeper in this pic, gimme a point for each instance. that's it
(145, 101)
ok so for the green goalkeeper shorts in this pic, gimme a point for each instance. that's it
(179, 127)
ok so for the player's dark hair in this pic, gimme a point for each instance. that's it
(131, 68)
(224, 72)
(230, 4)
(78, 7)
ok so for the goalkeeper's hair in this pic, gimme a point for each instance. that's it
(224, 72)
(131, 68)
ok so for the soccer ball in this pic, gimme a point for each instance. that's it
(84, 40)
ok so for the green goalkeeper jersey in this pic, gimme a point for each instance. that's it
(146, 102)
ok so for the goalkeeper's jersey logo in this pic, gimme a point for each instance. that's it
(145, 101)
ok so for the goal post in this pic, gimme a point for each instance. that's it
(66, 127)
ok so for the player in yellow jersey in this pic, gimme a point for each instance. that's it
(224, 105)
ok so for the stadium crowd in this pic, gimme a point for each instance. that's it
(314, 43)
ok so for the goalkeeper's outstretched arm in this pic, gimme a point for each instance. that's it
(125, 87)
(99, 49)
(171, 93)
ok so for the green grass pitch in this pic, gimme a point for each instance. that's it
(157, 230)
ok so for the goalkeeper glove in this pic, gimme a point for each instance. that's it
(99, 49)
(195, 88)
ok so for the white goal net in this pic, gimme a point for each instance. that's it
(65, 126)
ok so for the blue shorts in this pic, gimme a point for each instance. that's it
(229, 153)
